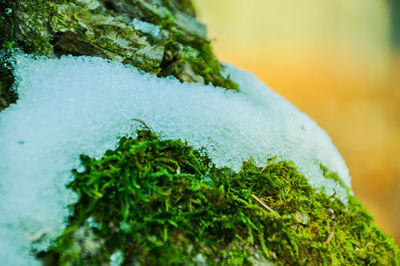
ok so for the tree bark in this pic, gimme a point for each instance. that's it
(162, 37)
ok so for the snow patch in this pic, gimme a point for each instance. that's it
(82, 105)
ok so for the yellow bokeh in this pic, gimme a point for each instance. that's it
(335, 60)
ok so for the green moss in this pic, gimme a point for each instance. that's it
(31, 36)
(185, 6)
(162, 202)
(205, 62)
(43, 46)
(6, 27)
(329, 175)
(194, 50)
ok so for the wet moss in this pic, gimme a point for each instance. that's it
(162, 202)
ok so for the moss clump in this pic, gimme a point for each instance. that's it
(162, 202)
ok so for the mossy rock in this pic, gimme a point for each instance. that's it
(161, 202)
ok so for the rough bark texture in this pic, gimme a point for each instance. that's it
(158, 36)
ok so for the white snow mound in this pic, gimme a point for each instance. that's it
(83, 105)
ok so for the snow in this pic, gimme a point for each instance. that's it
(76, 105)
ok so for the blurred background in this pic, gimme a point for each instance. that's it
(338, 61)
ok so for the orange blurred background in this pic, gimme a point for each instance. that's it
(338, 61)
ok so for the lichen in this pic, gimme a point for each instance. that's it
(155, 201)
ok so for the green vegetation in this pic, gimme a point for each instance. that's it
(6, 26)
(162, 202)
(198, 54)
